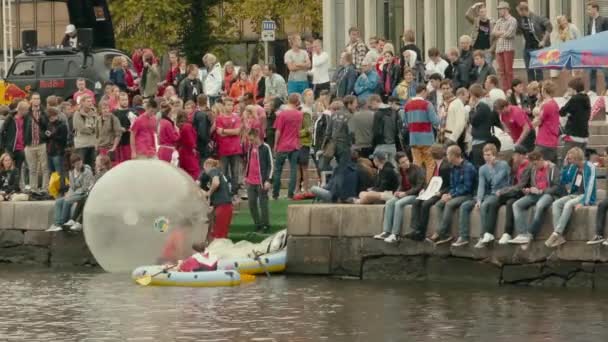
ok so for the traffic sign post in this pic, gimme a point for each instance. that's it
(268, 35)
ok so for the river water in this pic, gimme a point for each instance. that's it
(47, 305)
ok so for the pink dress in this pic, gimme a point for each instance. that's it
(186, 147)
(167, 138)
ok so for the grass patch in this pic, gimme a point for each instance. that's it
(242, 227)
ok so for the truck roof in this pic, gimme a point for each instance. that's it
(61, 51)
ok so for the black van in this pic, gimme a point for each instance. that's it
(54, 71)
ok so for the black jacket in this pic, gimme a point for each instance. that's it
(202, 126)
(445, 171)
(125, 123)
(345, 78)
(266, 164)
(387, 179)
(482, 119)
(479, 76)
(8, 134)
(43, 124)
(9, 181)
(386, 128)
(542, 25)
(393, 71)
(462, 75)
(190, 89)
(578, 109)
(416, 177)
(58, 140)
(601, 25)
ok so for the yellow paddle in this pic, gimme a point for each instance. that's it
(145, 280)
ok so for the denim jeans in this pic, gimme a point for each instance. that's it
(230, 167)
(420, 215)
(63, 207)
(281, 157)
(593, 78)
(533, 74)
(323, 195)
(600, 218)
(562, 211)
(447, 209)
(520, 212)
(258, 204)
(488, 212)
(464, 218)
(390, 150)
(393, 213)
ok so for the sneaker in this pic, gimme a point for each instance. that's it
(392, 238)
(487, 238)
(596, 240)
(76, 227)
(433, 238)
(442, 241)
(460, 242)
(504, 239)
(54, 228)
(555, 240)
(70, 223)
(605, 243)
(521, 239)
(382, 236)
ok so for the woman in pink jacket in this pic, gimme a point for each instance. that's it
(167, 135)
(186, 146)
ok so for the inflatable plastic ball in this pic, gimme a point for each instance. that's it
(143, 212)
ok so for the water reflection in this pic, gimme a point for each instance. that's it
(43, 305)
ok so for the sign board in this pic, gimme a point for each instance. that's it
(268, 25)
(268, 36)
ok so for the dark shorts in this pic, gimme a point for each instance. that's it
(304, 155)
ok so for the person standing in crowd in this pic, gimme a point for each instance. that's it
(540, 191)
(482, 69)
(287, 144)
(435, 96)
(345, 76)
(172, 76)
(482, 119)
(229, 77)
(436, 64)
(85, 128)
(191, 86)
(306, 132)
(464, 64)
(579, 181)
(126, 117)
(517, 96)
(117, 73)
(421, 208)
(493, 177)
(339, 136)
(109, 130)
(564, 32)
(412, 182)
(361, 125)
(275, 84)
(81, 90)
(259, 83)
(143, 133)
(457, 119)
(35, 135)
(409, 44)
(320, 68)
(201, 122)
(356, 47)
(578, 111)
(186, 146)
(420, 118)
(12, 135)
(367, 83)
(167, 135)
(390, 76)
(57, 141)
(493, 91)
(213, 81)
(241, 86)
(504, 32)
(150, 76)
(537, 35)
(373, 53)
(516, 123)
(481, 36)
(386, 183)
(81, 180)
(386, 128)
(227, 128)
(596, 24)
(406, 89)
(219, 195)
(462, 182)
(258, 177)
(298, 63)
(547, 123)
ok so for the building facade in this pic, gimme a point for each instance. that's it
(437, 23)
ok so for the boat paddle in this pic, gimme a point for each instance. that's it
(256, 257)
(145, 280)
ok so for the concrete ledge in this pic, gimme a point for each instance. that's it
(33, 215)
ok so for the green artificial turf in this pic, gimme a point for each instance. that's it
(242, 227)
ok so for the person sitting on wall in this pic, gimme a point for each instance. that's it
(412, 182)
(386, 182)
(9, 178)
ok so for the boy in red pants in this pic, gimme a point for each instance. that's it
(219, 197)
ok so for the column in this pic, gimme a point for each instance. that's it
(430, 26)
(369, 9)
(533, 5)
(555, 9)
(329, 41)
(492, 6)
(350, 16)
(450, 25)
(409, 15)
(578, 15)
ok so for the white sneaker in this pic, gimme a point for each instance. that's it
(605, 243)
(76, 227)
(391, 239)
(70, 223)
(504, 239)
(521, 239)
(54, 228)
(460, 242)
(487, 238)
(382, 236)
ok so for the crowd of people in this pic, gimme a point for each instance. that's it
(376, 129)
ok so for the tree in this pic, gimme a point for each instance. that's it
(147, 23)
(196, 35)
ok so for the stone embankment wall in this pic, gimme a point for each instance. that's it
(23, 239)
(337, 240)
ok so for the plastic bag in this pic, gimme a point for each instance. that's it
(55, 184)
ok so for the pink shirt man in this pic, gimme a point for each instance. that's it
(515, 120)
(78, 94)
(143, 132)
(548, 130)
(228, 145)
(167, 138)
(288, 123)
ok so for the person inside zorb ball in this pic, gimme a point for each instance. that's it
(143, 212)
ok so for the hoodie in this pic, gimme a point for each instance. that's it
(387, 179)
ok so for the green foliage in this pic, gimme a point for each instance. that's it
(147, 23)
(197, 37)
